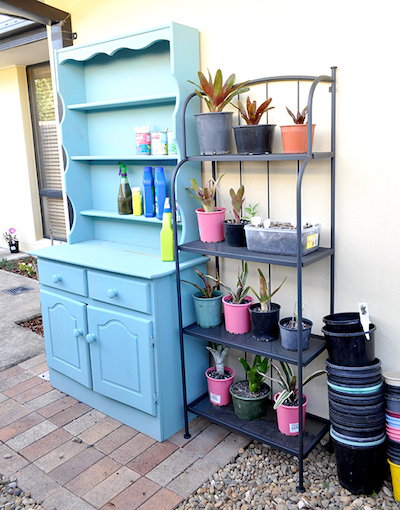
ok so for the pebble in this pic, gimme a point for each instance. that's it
(263, 478)
(13, 498)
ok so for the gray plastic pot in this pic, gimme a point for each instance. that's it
(214, 132)
(289, 336)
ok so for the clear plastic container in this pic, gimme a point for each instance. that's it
(279, 241)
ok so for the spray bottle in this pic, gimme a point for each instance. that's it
(166, 235)
(125, 193)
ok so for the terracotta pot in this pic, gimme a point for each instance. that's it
(294, 138)
(237, 317)
(211, 228)
(218, 389)
(288, 417)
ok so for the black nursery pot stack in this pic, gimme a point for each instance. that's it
(356, 404)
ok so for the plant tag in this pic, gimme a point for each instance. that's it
(364, 318)
(294, 427)
(312, 241)
(216, 399)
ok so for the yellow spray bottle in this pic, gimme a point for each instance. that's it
(166, 235)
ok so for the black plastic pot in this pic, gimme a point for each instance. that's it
(361, 399)
(265, 324)
(358, 431)
(357, 410)
(343, 322)
(356, 382)
(351, 349)
(350, 372)
(289, 336)
(214, 132)
(14, 246)
(234, 233)
(361, 469)
(357, 421)
(254, 139)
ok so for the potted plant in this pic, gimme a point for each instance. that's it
(252, 214)
(207, 302)
(252, 137)
(264, 315)
(250, 397)
(234, 228)
(219, 378)
(12, 240)
(209, 217)
(214, 127)
(287, 401)
(294, 137)
(288, 328)
(236, 305)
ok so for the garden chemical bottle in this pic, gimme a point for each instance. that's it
(160, 186)
(166, 235)
(148, 192)
(124, 194)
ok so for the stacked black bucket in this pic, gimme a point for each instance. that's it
(356, 403)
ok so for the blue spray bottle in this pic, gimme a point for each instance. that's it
(160, 186)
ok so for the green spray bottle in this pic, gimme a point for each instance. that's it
(125, 193)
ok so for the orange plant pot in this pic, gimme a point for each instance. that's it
(294, 138)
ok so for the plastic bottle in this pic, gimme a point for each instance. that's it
(166, 235)
(160, 186)
(125, 193)
(137, 201)
(148, 192)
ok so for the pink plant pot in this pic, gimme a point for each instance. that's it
(237, 317)
(288, 417)
(218, 389)
(393, 414)
(211, 228)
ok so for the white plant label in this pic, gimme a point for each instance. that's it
(216, 399)
(364, 318)
(294, 427)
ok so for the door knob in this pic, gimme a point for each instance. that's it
(90, 338)
(56, 278)
(77, 333)
(112, 293)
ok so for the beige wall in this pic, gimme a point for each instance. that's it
(271, 37)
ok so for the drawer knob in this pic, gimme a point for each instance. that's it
(112, 293)
(77, 333)
(90, 338)
(56, 278)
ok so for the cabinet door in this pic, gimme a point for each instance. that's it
(122, 357)
(65, 328)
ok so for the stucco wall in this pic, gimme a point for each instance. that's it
(271, 37)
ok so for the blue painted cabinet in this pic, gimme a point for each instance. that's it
(109, 303)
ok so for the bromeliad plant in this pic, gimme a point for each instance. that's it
(265, 295)
(237, 200)
(288, 382)
(251, 114)
(205, 195)
(255, 374)
(217, 94)
(300, 117)
(219, 353)
(239, 294)
(208, 290)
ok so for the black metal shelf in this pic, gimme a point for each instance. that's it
(265, 429)
(262, 157)
(223, 250)
(247, 343)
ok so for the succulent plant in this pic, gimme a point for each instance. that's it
(265, 295)
(251, 114)
(208, 290)
(238, 295)
(216, 94)
(206, 194)
(300, 117)
(219, 353)
(255, 374)
(237, 200)
(288, 382)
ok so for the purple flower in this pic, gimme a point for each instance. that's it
(12, 230)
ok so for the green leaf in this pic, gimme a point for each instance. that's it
(245, 365)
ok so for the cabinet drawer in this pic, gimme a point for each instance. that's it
(63, 277)
(119, 291)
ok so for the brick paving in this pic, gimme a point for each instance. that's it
(72, 457)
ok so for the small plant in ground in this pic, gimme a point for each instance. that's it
(3, 262)
(255, 374)
(300, 117)
(29, 268)
(251, 114)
